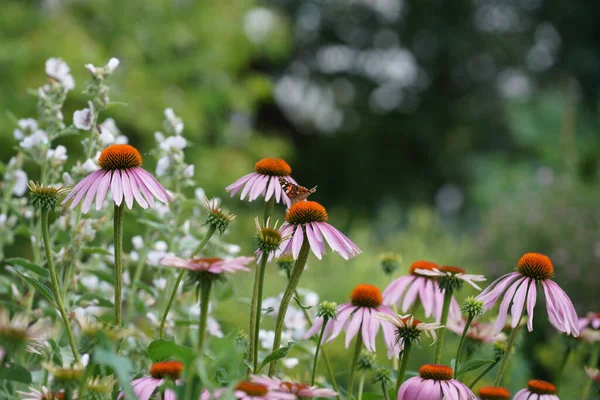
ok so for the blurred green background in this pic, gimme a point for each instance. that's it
(465, 131)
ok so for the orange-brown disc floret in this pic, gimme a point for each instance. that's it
(536, 265)
(273, 167)
(305, 212)
(541, 387)
(207, 260)
(294, 387)
(53, 396)
(422, 265)
(119, 156)
(252, 388)
(452, 270)
(366, 295)
(494, 393)
(415, 321)
(166, 369)
(436, 372)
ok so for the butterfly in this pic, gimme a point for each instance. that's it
(295, 192)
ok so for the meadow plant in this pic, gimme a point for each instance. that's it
(87, 314)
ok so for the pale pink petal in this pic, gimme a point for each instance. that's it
(116, 187)
(154, 186)
(249, 185)
(343, 316)
(395, 290)
(127, 193)
(92, 191)
(411, 294)
(84, 183)
(273, 181)
(297, 241)
(143, 188)
(314, 243)
(259, 186)
(315, 328)
(136, 191)
(490, 296)
(518, 302)
(503, 312)
(103, 189)
(237, 185)
(172, 261)
(85, 186)
(353, 327)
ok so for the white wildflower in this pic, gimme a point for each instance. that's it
(89, 166)
(173, 143)
(58, 155)
(188, 172)
(39, 137)
(138, 242)
(58, 69)
(174, 121)
(26, 127)
(199, 194)
(67, 179)
(83, 119)
(159, 137)
(20, 186)
(162, 166)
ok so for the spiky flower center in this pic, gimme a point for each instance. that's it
(421, 265)
(252, 388)
(166, 369)
(44, 197)
(409, 332)
(273, 167)
(305, 212)
(436, 372)
(119, 156)
(541, 387)
(365, 295)
(294, 387)
(207, 260)
(494, 393)
(535, 265)
(53, 396)
(268, 239)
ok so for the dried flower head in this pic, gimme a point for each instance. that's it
(218, 217)
(410, 329)
(44, 197)
(390, 262)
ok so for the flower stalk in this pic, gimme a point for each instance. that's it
(259, 293)
(404, 364)
(314, 371)
(211, 230)
(440, 342)
(204, 298)
(509, 345)
(55, 285)
(462, 341)
(484, 373)
(592, 363)
(118, 241)
(357, 347)
(287, 296)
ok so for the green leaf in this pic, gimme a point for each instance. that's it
(472, 365)
(277, 354)
(372, 396)
(302, 306)
(40, 287)
(121, 366)
(95, 250)
(56, 353)
(102, 302)
(28, 265)
(161, 350)
(15, 372)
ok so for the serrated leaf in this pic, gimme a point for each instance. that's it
(96, 250)
(473, 365)
(161, 350)
(39, 286)
(277, 354)
(15, 372)
(28, 265)
(121, 366)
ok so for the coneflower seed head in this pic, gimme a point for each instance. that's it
(365, 295)
(119, 156)
(535, 265)
(436, 372)
(494, 393)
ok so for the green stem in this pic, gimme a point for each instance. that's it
(314, 371)
(403, 364)
(592, 363)
(385, 392)
(137, 275)
(462, 342)
(259, 294)
(287, 296)
(484, 373)
(163, 320)
(509, 345)
(395, 361)
(204, 298)
(357, 348)
(269, 206)
(118, 233)
(440, 342)
(253, 313)
(563, 365)
(55, 286)
(361, 385)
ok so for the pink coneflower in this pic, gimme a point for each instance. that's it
(520, 288)
(435, 382)
(211, 265)
(120, 170)
(306, 220)
(302, 391)
(478, 331)
(361, 314)
(43, 394)
(537, 390)
(494, 393)
(264, 181)
(144, 387)
(247, 390)
(592, 319)
(406, 289)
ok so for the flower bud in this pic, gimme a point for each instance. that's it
(267, 238)
(285, 263)
(390, 262)
(383, 375)
(366, 360)
(44, 197)
(472, 307)
(218, 217)
(328, 310)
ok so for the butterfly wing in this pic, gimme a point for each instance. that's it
(294, 192)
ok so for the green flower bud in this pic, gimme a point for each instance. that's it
(383, 375)
(43, 197)
(328, 310)
(285, 264)
(473, 307)
(366, 360)
(390, 262)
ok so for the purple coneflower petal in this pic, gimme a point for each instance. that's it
(271, 187)
(259, 187)
(92, 191)
(127, 193)
(411, 293)
(560, 309)
(83, 183)
(297, 241)
(249, 185)
(135, 190)
(519, 301)
(354, 326)
(395, 290)
(152, 184)
(489, 296)
(531, 299)
(237, 185)
(503, 312)
(143, 189)
(82, 187)
(103, 190)
(116, 187)
(344, 312)
(312, 240)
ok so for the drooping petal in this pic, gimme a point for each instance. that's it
(259, 186)
(154, 186)
(519, 301)
(91, 193)
(297, 242)
(135, 190)
(411, 293)
(103, 189)
(273, 181)
(393, 293)
(127, 192)
(249, 185)
(237, 185)
(116, 187)
(84, 186)
(531, 299)
(355, 324)
(314, 243)
(491, 294)
(84, 183)
(343, 316)
(503, 312)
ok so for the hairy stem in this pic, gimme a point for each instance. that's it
(504, 360)
(403, 364)
(462, 342)
(440, 342)
(259, 294)
(357, 348)
(118, 234)
(287, 296)
(204, 298)
(314, 371)
(55, 285)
